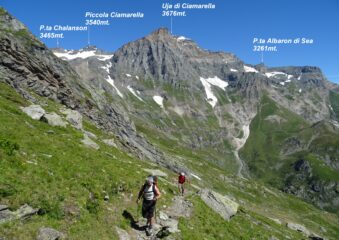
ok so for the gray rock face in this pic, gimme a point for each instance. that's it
(54, 119)
(49, 234)
(163, 57)
(34, 111)
(222, 205)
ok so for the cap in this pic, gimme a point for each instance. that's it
(149, 179)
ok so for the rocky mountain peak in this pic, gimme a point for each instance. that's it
(162, 31)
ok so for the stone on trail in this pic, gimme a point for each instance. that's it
(123, 235)
(34, 111)
(222, 205)
(163, 216)
(54, 119)
(49, 234)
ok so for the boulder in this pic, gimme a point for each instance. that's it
(180, 208)
(89, 142)
(156, 172)
(109, 142)
(89, 134)
(34, 111)
(49, 234)
(53, 119)
(222, 205)
(73, 117)
(23, 212)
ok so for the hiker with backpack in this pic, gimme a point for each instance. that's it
(181, 183)
(150, 194)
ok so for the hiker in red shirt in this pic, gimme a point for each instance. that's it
(181, 183)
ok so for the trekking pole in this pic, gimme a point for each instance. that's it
(155, 212)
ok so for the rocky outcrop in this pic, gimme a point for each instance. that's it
(49, 234)
(222, 205)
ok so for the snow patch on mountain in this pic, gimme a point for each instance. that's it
(104, 57)
(134, 93)
(239, 143)
(207, 83)
(107, 67)
(335, 123)
(182, 38)
(128, 75)
(111, 81)
(249, 69)
(234, 70)
(300, 76)
(159, 100)
(274, 74)
(70, 55)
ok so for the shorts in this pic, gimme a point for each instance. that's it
(148, 207)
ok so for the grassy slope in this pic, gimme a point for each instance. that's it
(334, 99)
(262, 150)
(61, 186)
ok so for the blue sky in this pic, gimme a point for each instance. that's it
(231, 27)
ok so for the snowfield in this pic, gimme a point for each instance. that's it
(134, 93)
(159, 100)
(207, 83)
(249, 69)
(69, 55)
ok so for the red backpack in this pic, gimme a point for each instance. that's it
(182, 179)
